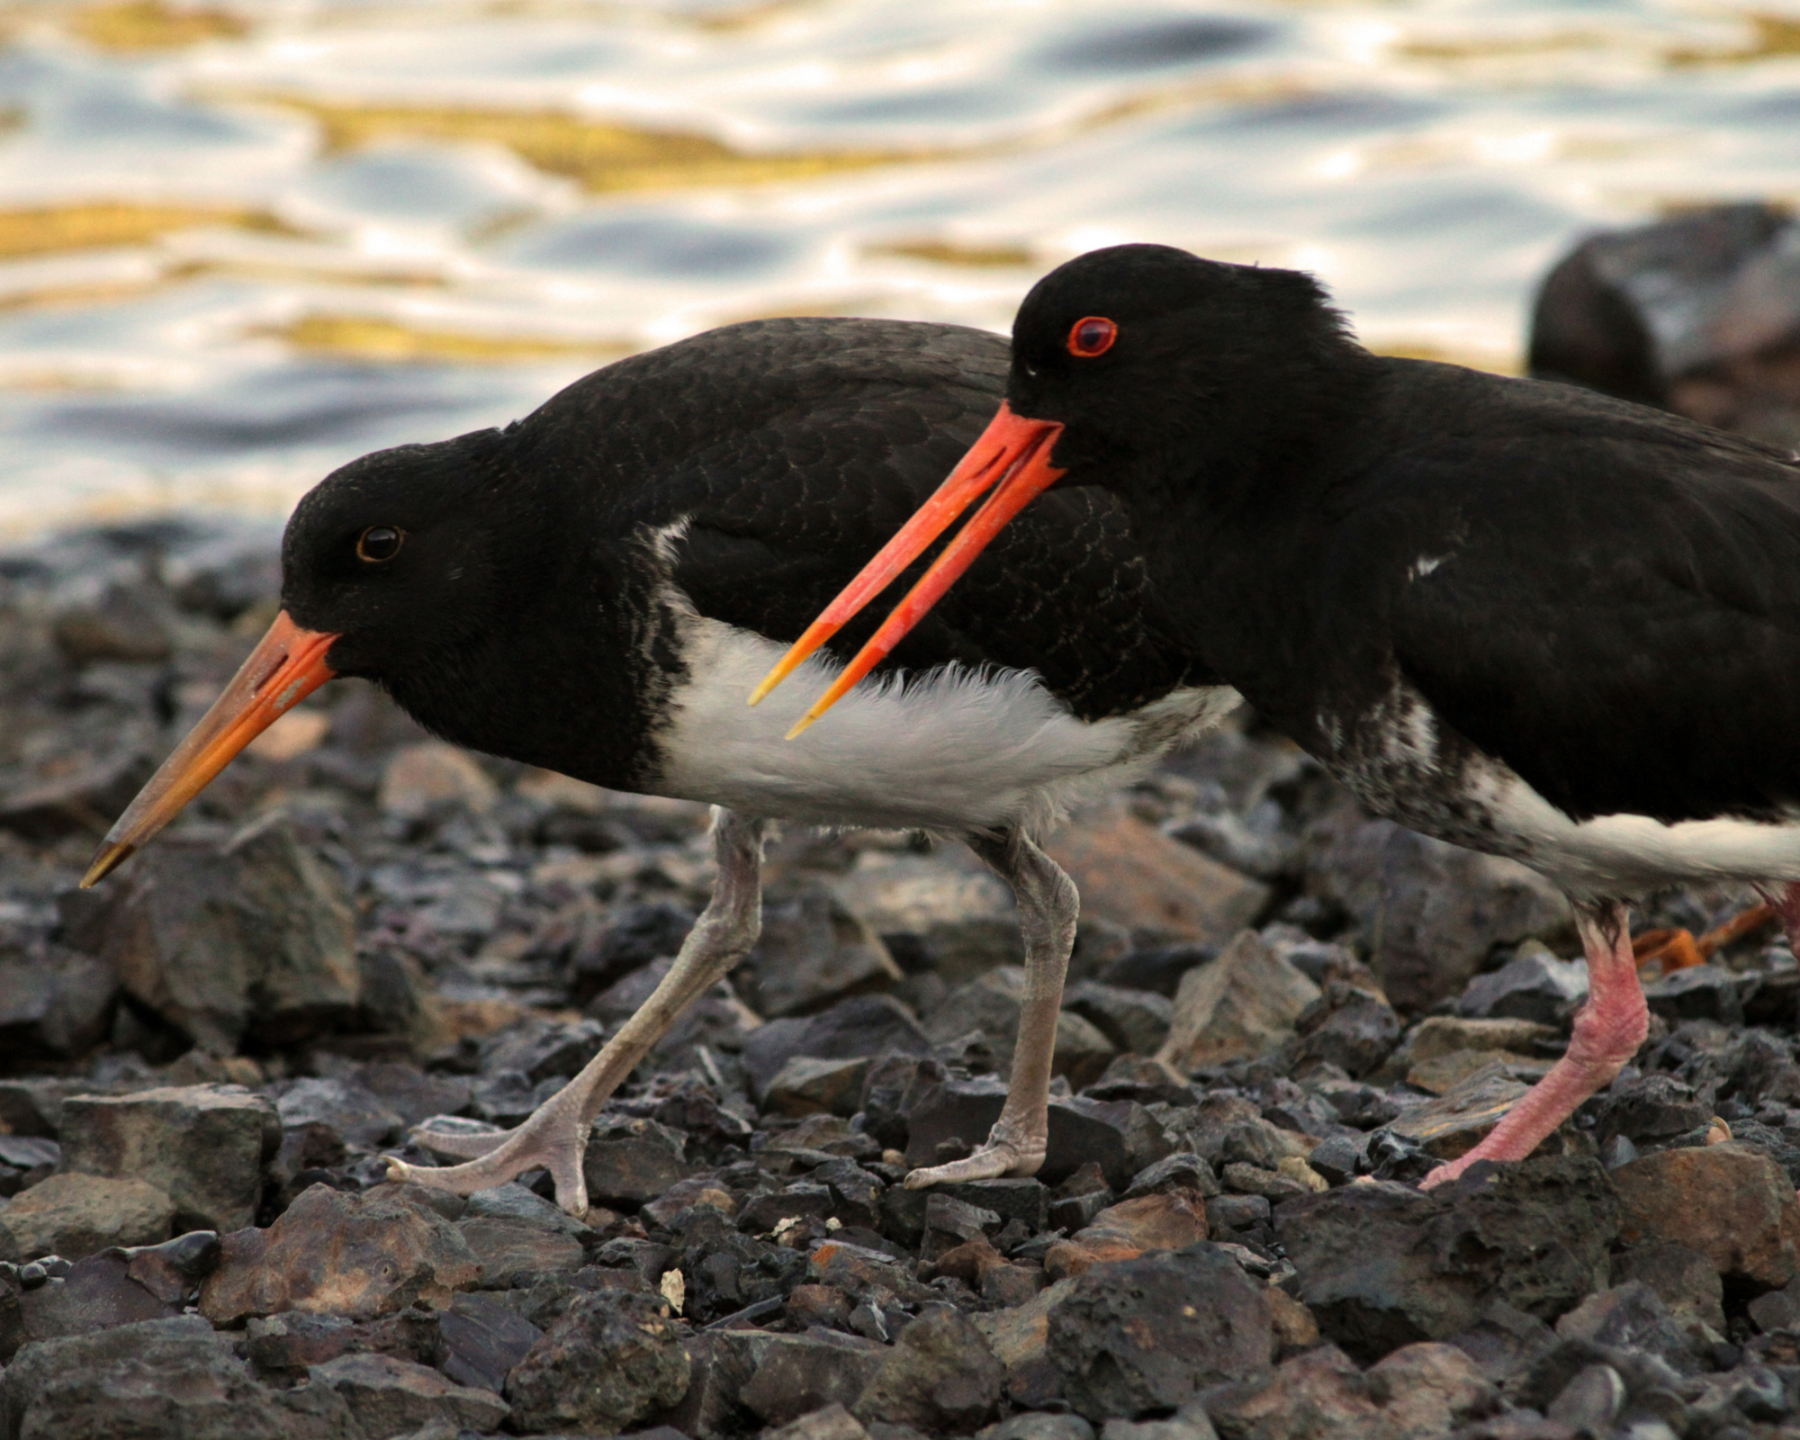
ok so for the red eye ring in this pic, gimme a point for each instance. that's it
(1092, 335)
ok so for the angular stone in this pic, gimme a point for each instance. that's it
(630, 1160)
(1730, 1202)
(1459, 1119)
(282, 1348)
(98, 1293)
(541, 1049)
(1133, 1020)
(1133, 875)
(357, 1116)
(1036, 1425)
(939, 1376)
(1686, 1280)
(1631, 1317)
(807, 1086)
(865, 1026)
(333, 1253)
(1243, 1003)
(1382, 1265)
(812, 953)
(49, 805)
(1141, 1336)
(1417, 1392)
(203, 1145)
(482, 1340)
(54, 1006)
(510, 1250)
(1169, 1220)
(990, 1004)
(1118, 1135)
(609, 1363)
(1534, 985)
(162, 1378)
(389, 1396)
(255, 939)
(422, 777)
(783, 1377)
(1701, 992)
(1431, 912)
(831, 1422)
(953, 909)
(75, 1215)
(1439, 1035)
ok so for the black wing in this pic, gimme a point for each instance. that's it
(821, 438)
(1617, 612)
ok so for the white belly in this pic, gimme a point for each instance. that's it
(958, 751)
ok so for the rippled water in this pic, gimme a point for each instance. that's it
(241, 245)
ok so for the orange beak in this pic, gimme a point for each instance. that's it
(1013, 458)
(287, 665)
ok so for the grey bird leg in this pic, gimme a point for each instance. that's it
(1048, 908)
(555, 1137)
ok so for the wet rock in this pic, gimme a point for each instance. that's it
(53, 1006)
(282, 1348)
(361, 1256)
(805, 1086)
(608, 1364)
(161, 1380)
(1347, 1027)
(204, 1146)
(779, 1378)
(1382, 1265)
(390, 1396)
(483, 1340)
(813, 952)
(1142, 1336)
(422, 778)
(254, 939)
(939, 1376)
(1243, 1003)
(76, 1215)
(1430, 912)
(1421, 1390)
(1730, 1202)
(1534, 985)
(1133, 1020)
(1699, 313)
(1133, 875)
(631, 1160)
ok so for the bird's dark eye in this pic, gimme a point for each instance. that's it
(1092, 335)
(379, 543)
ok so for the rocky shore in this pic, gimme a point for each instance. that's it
(1280, 1013)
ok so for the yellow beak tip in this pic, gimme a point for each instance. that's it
(801, 725)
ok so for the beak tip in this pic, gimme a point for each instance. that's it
(111, 856)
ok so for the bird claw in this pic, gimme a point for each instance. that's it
(993, 1160)
(553, 1139)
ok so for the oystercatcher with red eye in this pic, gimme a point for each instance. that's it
(594, 588)
(1521, 617)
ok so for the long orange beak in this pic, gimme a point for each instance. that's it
(1013, 457)
(287, 665)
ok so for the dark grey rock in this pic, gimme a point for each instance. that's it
(779, 1378)
(939, 1376)
(1119, 1135)
(631, 1160)
(483, 1340)
(1134, 1020)
(813, 952)
(864, 1026)
(281, 1349)
(1685, 1279)
(1701, 992)
(54, 1005)
(542, 1049)
(159, 1380)
(1347, 1027)
(1141, 1337)
(609, 1363)
(390, 1396)
(1382, 1265)
(1534, 985)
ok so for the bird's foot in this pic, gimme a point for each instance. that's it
(553, 1139)
(1003, 1154)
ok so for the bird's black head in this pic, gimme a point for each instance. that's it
(1146, 351)
(403, 554)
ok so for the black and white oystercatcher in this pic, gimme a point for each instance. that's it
(594, 588)
(1519, 616)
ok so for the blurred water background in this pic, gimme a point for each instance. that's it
(243, 243)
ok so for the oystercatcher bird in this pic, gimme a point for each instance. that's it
(1518, 616)
(592, 590)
